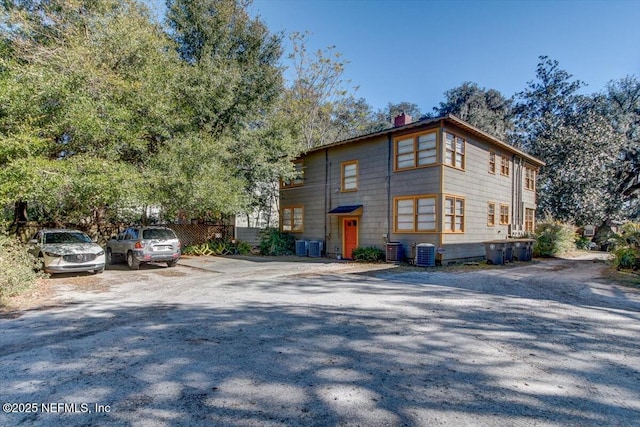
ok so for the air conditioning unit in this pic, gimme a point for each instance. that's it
(425, 255)
(315, 248)
(515, 230)
(302, 247)
(395, 252)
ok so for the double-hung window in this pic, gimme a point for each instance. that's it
(454, 214)
(529, 220)
(415, 214)
(349, 176)
(454, 150)
(491, 214)
(492, 162)
(529, 179)
(293, 219)
(504, 165)
(504, 214)
(414, 151)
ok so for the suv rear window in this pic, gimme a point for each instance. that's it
(158, 233)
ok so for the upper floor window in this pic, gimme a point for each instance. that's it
(529, 178)
(492, 162)
(415, 214)
(454, 214)
(349, 176)
(504, 165)
(298, 178)
(504, 214)
(416, 150)
(454, 150)
(293, 219)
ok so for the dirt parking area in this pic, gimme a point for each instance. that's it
(255, 342)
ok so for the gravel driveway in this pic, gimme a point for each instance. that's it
(235, 342)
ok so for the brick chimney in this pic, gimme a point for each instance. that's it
(401, 120)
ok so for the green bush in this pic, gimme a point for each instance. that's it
(626, 246)
(553, 238)
(243, 248)
(624, 257)
(368, 254)
(275, 242)
(215, 248)
(583, 243)
(18, 271)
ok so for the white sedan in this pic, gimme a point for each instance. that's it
(67, 251)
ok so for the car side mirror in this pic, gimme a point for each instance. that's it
(32, 242)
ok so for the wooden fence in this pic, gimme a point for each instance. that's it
(195, 234)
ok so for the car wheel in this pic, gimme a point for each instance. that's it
(98, 271)
(109, 256)
(172, 263)
(132, 262)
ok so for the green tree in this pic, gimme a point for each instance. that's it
(487, 110)
(620, 103)
(578, 144)
(319, 106)
(383, 118)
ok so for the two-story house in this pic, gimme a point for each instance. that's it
(439, 181)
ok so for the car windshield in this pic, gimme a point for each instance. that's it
(158, 233)
(66, 237)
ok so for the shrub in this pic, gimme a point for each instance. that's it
(624, 257)
(553, 238)
(243, 248)
(214, 247)
(626, 246)
(275, 242)
(368, 254)
(18, 271)
(583, 243)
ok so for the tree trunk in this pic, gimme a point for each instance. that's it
(20, 212)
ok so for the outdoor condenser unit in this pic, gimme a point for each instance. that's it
(425, 255)
(315, 248)
(301, 247)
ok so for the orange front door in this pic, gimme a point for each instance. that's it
(350, 227)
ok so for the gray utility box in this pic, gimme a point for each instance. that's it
(523, 249)
(496, 251)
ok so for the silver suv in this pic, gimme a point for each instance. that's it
(143, 244)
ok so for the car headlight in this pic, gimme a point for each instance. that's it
(52, 254)
(100, 253)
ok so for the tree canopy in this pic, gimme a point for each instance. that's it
(103, 108)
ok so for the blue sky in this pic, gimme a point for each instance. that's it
(416, 50)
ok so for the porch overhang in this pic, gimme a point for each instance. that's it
(346, 210)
